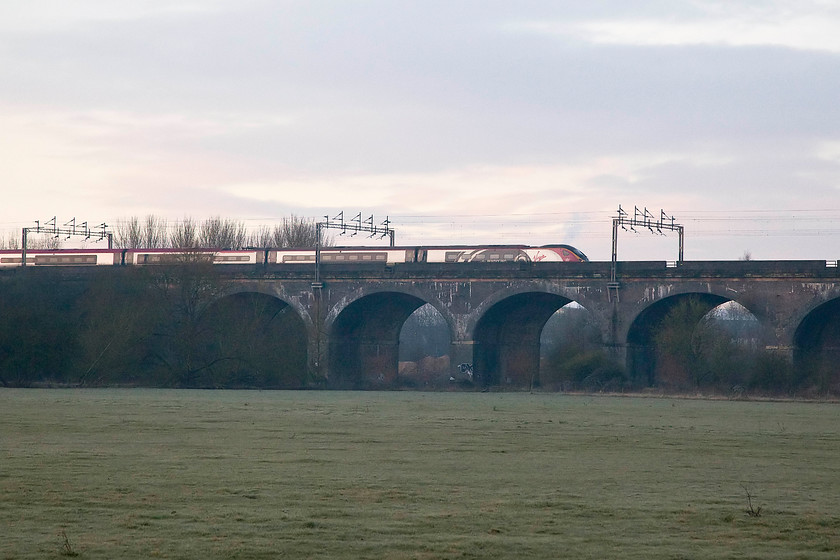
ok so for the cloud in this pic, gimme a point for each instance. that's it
(804, 25)
(807, 33)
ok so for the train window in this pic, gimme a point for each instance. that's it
(231, 258)
(298, 258)
(173, 258)
(353, 257)
(64, 259)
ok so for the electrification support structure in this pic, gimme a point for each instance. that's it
(68, 230)
(356, 225)
(643, 219)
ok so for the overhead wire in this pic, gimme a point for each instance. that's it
(594, 224)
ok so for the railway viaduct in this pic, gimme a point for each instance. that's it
(495, 312)
(350, 320)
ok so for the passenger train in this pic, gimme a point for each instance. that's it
(292, 257)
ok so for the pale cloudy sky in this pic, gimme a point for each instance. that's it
(464, 121)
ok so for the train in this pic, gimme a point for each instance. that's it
(259, 256)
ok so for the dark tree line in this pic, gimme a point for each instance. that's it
(167, 326)
(35, 318)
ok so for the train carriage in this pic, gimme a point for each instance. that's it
(62, 257)
(384, 255)
(185, 256)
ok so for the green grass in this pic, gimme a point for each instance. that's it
(238, 474)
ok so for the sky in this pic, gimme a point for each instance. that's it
(463, 122)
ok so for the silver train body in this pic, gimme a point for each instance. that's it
(292, 257)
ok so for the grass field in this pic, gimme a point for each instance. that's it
(237, 474)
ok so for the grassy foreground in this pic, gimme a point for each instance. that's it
(238, 474)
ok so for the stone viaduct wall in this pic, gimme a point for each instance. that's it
(496, 311)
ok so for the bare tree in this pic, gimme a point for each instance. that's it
(296, 231)
(292, 232)
(46, 242)
(154, 232)
(128, 234)
(262, 237)
(10, 241)
(220, 233)
(184, 235)
(132, 233)
(43, 241)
